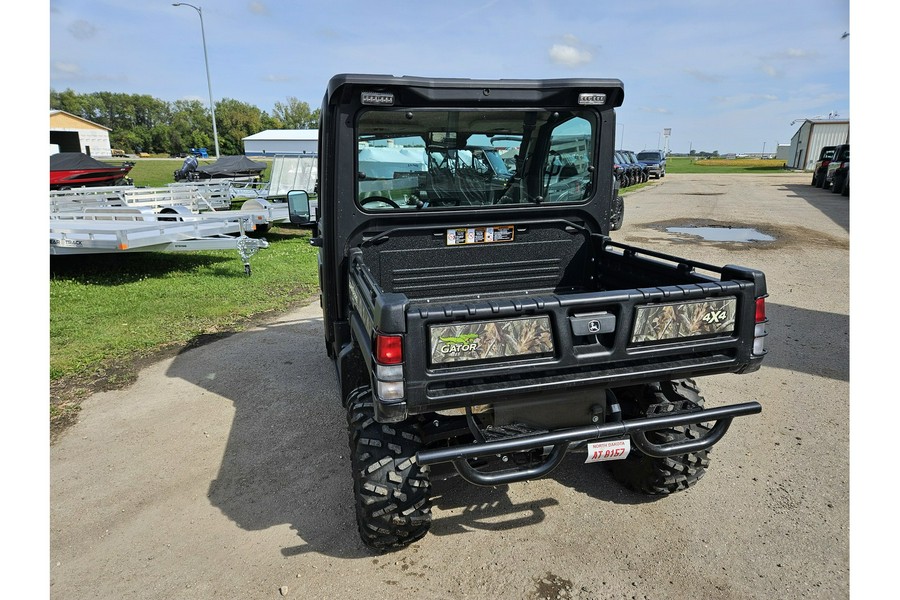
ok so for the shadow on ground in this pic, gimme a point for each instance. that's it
(286, 457)
(833, 206)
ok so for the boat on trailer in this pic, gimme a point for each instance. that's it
(76, 169)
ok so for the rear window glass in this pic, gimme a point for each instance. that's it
(442, 159)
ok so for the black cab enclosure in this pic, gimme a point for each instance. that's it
(480, 316)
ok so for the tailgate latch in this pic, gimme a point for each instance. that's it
(593, 323)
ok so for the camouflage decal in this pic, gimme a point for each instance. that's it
(460, 342)
(659, 322)
(361, 310)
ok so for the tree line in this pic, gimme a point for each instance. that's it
(142, 123)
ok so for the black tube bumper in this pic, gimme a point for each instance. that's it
(560, 441)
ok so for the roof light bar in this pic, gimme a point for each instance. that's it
(595, 98)
(377, 98)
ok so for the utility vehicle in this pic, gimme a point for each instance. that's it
(488, 321)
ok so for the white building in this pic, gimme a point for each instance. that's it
(282, 141)
(70, 133)
(812, 136)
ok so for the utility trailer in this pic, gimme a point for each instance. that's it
(184, 199)
(118, 229)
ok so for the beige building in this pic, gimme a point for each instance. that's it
(70, 133)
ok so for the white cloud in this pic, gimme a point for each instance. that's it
(770, 70)
(66, 68)
(655, 110)
(704, 77)
(569, 56)
(82, 30)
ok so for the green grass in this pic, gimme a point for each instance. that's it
(679, 164)
(108, 308)
(157, 172)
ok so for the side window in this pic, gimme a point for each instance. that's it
(566, 174)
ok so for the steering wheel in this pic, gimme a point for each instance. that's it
(384, 199)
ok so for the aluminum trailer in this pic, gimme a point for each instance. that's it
(180, 199)
(112, 230)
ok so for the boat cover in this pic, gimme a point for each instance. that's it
(232, 166)
(75, 161)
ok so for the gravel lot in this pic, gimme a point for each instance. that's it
(224, 472)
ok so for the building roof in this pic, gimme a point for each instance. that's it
(76, 117)
(303, 135)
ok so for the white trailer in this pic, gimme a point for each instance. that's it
(100, 226)
(177, 198)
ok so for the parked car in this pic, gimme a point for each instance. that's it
(632, 171)
(821, 167)
(838, 169)
(655, 161)
(621, 171)
(643, 170)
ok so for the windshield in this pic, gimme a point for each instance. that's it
(435, 159)
(648, 156)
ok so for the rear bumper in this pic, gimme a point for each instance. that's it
(562, 440)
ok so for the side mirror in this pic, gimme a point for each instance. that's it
(298, 207)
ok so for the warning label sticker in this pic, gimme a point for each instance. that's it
(462, 236)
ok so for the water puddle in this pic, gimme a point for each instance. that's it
(724, 234)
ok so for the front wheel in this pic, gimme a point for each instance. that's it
(662, 476)
(392, 492)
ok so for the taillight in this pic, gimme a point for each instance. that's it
(389, 349)
(389, 383)
(761, 310)
(759, 331)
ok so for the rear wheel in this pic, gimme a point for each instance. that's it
(617, 214)
(662, 476)
(837, 185)
(392, 492)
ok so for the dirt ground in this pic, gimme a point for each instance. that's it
(223, 471)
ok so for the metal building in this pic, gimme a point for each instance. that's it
(812, 136)
(73, 134)
(282, 141)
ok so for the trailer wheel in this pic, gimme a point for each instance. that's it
(392, 492)
(661, 476)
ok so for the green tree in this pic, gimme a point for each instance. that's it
(236, 120)
(191, 126)
(142, 123)
(295, 115)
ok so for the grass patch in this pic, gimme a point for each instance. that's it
(159, 172)
(110, 313)
(680, 164)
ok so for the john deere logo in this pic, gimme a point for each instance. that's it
(467, 342)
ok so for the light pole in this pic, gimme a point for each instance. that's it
(212, 106)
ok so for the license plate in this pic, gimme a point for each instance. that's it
(491, 340)
(608, 450)
(658, 322)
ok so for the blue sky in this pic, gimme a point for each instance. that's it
(726, 76)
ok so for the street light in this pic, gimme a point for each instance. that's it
(212, 107)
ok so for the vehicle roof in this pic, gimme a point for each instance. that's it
(487, 88)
